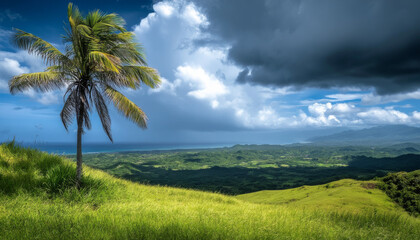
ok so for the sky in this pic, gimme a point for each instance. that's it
(236, 71)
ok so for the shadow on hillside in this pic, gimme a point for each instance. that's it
(407, 162)
(238, 180)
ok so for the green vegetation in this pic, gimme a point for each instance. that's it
(251, 156)
(249, 168)
(404, 188)
(23, 171)
(110, 208)
(100, 56)
(347, 194)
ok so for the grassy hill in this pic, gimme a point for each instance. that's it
(38, 201)
(343, 195)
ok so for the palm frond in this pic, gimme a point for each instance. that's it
(84, 30)
(127, 107)
(103, 113)
(86, 120)
(74, 15)
(114, 20)
(129, 53)
(105, 62)
(104, 23)
(131, 77)
(69, 110)
(147, 75)
(82, 106)
(103, 27)
(40, 81)
(73, 36)
(123, 37)
(38, 46)
(92, 18)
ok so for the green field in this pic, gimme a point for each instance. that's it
(38, 201)
(249, 168)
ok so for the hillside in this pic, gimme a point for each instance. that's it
(38, 201)
(345, 195)
(381, 135)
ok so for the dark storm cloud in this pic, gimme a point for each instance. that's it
(323, 43)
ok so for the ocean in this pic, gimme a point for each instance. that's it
(70, 148)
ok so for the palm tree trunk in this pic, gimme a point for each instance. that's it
(79, 169)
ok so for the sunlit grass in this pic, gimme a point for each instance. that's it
(36, 204)
(346, 194)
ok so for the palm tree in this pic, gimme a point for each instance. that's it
(100, 56)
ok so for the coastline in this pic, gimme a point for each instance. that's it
(66, 149)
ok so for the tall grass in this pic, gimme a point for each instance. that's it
(46, 207)
(25, 170)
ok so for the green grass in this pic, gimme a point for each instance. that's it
(343, 195)
(36, 204)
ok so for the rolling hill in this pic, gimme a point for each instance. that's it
(381, 135)
(38, 200)
(344, 195)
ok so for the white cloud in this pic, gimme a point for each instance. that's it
(214, 104)
(15, 63)
(372, 99)
(378, 115)
(145, 23)
(319, 109)
(322, 114)
(416, 116)
(344, 108)
(30, 62)
(180, 15)
(345, 114)
(8, 68)
(268, 117)
(204, 74)
(164, 9)
(166, 86)
(45, 98)
(203, 84)
(191, 14)
(339, 97)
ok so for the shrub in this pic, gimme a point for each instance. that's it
(404, 189)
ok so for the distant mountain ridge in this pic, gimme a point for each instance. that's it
(381, 135)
